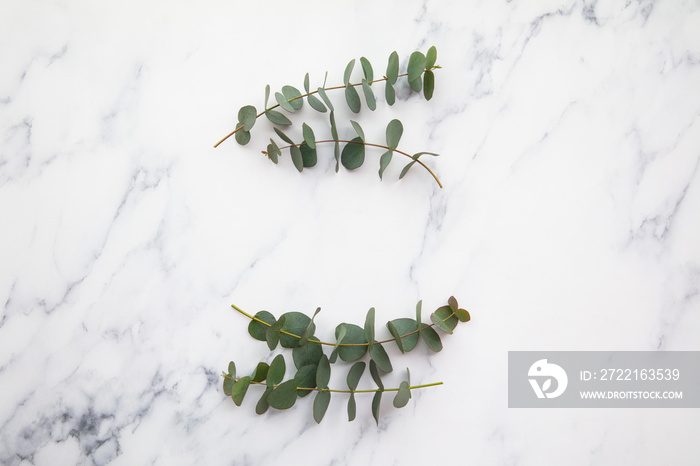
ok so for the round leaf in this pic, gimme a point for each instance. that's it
(273, 151)
(239, 390)
(297, 157)
(353, 335)
(367, 69)
(402, 396)
(310, 353)
(392, 69)
(416, 65)
(321, 402)
(309, 137)
(305, 378)
(284, 103)
(247, 116)
(407, 327)
(462, 315)
(277, 118)
(355, 374)
(308, 156)
(444, 319)
(378, 355)
(384, 162)
(353, 99)
(394, 131)
(232, 369)
(261, 407)
(294, 323)
(275, 373)
(228, 385)
(431, 338)
(293, 96)
(358, 130)
(242, 137)
(272, 336)
(284, 396)
(431, 57)
(416, 84)
(353, 155)
(260, 372)
(258, 330)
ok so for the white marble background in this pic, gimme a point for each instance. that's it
(569, 135)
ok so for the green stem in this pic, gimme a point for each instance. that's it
(316, 389)
(325, 342)
(308, 94)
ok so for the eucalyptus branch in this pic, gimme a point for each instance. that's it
(296, 330)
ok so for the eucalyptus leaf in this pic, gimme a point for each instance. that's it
(394, 131)
(232, 369)
(392, 69)
(358, 130)
(462, 315)
(284, 103)
(247, 116)
(402, 396)
(284, 137)
(389, 93)
(306, 83)
(431, 338)
(258, 330)
(353, 155)
(293, 96)
(406, 169)
(348, 71)
(305, 378)
(367, 69)
(334, 128)
(430, 57)
(228, 385)
(309, 137)
(316, 104)
(297, 157)
(323, 372)
(452, 302)
(355, 374)
(324, 96)
(352, 407)
(376, 402)
(373, 370)
(275, 373)
(379, 355)
(369, 328)
(384, 162)
(353, 335)
(310, 353)
(407, 329)
(273, 151)
(353, 99)
(369, 96)
(261, 407)
(416, 84)
(311, 328)
(242, 137)
(260, 372)
(321, 402)
(239, 390)
(445, 319)
(340, 335)
(272, 336)
(416, 65)
(295, 323)
(284, 396)
(336, 152)
(417, 155)
(277, 118)
(267, 95)
(428, 85)
(419, 307)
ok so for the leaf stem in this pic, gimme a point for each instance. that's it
(316, 389)
(308, 94)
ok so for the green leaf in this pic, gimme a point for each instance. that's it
(416, 65)
(305, 378)
(284, 137)
(430, 57)
(369, 328)
(340, 335)
(306, 83)
(310, 353)
(323, 372)
(239, 390)
(428, 85)
(348, 71)
(352, 407)
(311, 328)
(261, 407)
(247, 116)
(273, 151)
(324, 96)
(392, 69)
(417, 155)
(419, 307)
(416, 84)
(353, 155)
(309, 137)
(267, 95)
(452, 302)
(375, 374)
(353, 99)
(297, 157)
(367, 69)
(384, 162)
(316, 104)
(284, 396)
(389, 93)
(355, 374)
(401, 327)
(242, 137)
(228, 385)
(232, 369)
(258, 330)
(272, 336)
(394, 131)
(462, 315)
(334, 128)
(275, 373)
(406, 169)
(277, 118)
(260, 372)
(358, 130)
(336, 152)
(431, 338)
(369, 96)
(378, 355)
(295, 323)
(444, 319)
(376, 402)
(321, 402)
(353, 335)
(293, 96)
(402, 396)
(284, 103)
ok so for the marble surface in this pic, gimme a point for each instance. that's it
(569, 135)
